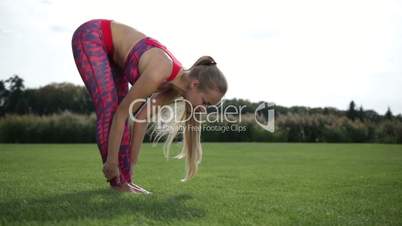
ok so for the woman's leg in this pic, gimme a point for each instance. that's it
(95, 69)
(125, 146)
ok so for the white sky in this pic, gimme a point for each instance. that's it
(311, 53)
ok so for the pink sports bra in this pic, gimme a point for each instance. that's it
(137, 50)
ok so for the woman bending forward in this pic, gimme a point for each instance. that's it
(109, 55)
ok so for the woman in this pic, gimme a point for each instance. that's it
(109, 55)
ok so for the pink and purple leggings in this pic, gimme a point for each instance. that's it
(107, 85)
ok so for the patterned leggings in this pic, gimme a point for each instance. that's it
(107, 87)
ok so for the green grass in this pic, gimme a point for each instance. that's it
(238, 184)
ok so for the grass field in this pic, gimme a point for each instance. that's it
(238, 184)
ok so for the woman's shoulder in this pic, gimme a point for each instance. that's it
(174, 65)
(157, 62)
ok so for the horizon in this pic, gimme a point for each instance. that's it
(357, 105)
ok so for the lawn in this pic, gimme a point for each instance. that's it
(238, 184)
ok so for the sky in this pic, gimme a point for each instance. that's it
(305, 53)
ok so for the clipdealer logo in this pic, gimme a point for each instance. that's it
(264, 115)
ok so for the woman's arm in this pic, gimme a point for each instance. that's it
(139, 127)
(147, 84)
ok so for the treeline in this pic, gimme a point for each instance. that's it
(50, 99)
(63, 112)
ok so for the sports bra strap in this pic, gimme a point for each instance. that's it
(176, 63)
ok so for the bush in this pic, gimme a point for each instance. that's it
(62, 128)
(72, 128)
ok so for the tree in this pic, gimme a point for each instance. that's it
(360, 114)
(3, 97)
(351, 112)
(14, 100)
(16, 84)
(388, 114)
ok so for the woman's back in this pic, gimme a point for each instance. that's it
(124, 38)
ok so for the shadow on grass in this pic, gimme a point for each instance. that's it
(99, 204)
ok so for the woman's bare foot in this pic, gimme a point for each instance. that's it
(139, 188)
(125, 187)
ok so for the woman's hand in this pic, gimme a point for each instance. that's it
(111, 170)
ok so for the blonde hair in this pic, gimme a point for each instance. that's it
(209, 77)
